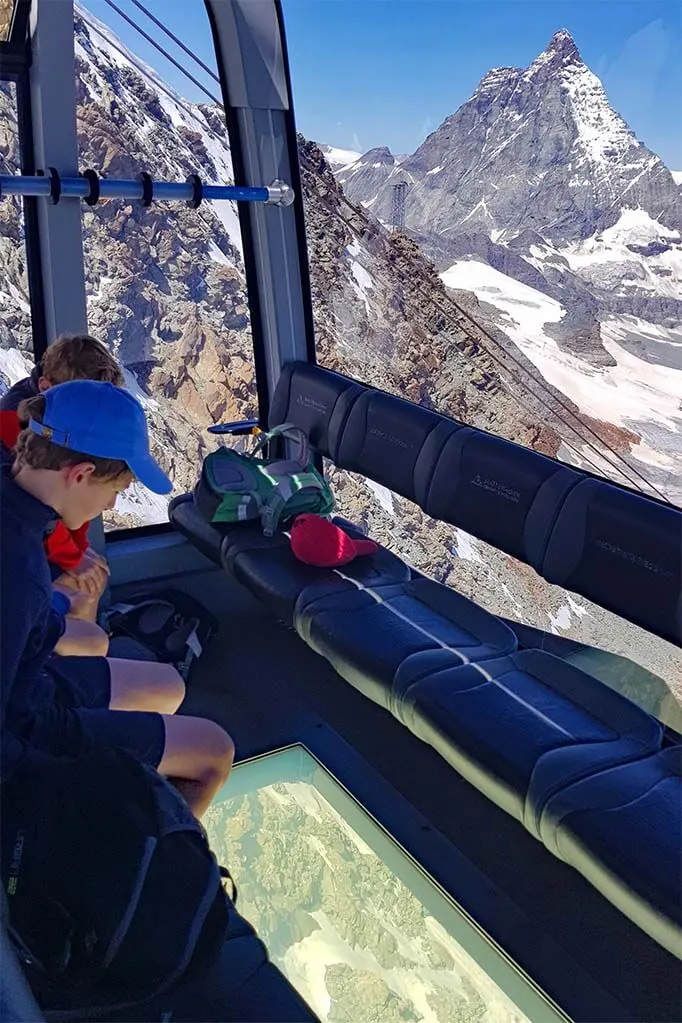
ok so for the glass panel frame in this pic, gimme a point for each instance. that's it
(297, 763)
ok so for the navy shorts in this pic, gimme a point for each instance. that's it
(81, 682)
(84, 683)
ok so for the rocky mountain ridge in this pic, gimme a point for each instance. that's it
(535, 149)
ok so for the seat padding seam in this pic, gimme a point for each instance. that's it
(398, 614)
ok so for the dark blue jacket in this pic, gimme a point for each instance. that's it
(29, 626)
(35, 718)
(26, 388)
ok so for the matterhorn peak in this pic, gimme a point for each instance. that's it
(560, 50)
(562, 42)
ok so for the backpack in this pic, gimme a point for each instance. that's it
(169, 624)
(237, 487)
(113, 893)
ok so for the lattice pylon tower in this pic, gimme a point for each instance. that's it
(398, 206)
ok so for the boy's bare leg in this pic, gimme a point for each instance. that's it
(197, 758)
(144, 685)
(82, 639)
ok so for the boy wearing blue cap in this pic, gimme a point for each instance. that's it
(85, 442)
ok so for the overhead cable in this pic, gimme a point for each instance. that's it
(166, 54)
(178, 42)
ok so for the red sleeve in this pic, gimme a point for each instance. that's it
(9, 428)
(80, 537)
(63, 548)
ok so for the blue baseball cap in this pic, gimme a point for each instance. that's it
(100, 419)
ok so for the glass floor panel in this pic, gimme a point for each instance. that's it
(363, 933)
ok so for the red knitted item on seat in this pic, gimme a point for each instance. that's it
(317, 541)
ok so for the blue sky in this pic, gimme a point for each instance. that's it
(387, 72)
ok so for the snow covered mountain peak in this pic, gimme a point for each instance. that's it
(537, 149)
(561, 53)
(561, 48)
(337, 157)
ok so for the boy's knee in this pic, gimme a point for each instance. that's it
(100, 643)
(218, 750)
(167, 685)
(82, 639)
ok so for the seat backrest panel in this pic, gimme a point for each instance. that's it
(500, 492)
(317, 400)
(620, 549)
(624, 552)
(385, 438)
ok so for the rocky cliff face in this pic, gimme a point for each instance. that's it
(383, 315)
(166, 289)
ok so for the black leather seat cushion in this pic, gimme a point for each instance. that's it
(188, 520)
(622, 829)
(267, 567)
(368, 632)
(522, 727)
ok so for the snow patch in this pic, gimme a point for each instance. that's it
(633, 390)
(14, 365)
(526, 309)
(607, 259)
(339, 158)
(635, 394)
(19, 299)
(436, 170)
(383, 496)
(561, 621)
(677, 177)
(362, 280)
(146, 508)
(146, 401)
(603, 135)
(217, 255)
(466, 547)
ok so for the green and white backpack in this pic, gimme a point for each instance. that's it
(237, 487)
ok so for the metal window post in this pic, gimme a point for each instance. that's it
(251, 56)
(55, 143)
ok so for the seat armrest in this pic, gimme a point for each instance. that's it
(241, 428)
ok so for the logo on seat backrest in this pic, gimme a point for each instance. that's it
(390, 438)
(308, 402)
(496, 487)
(634, 559)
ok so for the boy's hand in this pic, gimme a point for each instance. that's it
(89, 577)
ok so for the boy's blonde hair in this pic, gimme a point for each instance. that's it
(80, 357)
(37, 452)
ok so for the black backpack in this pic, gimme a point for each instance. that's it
(169, 625)
(113, 893)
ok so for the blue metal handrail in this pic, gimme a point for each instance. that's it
(92, 188)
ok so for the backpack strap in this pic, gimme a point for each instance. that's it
(299, 463)
(284, 489)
